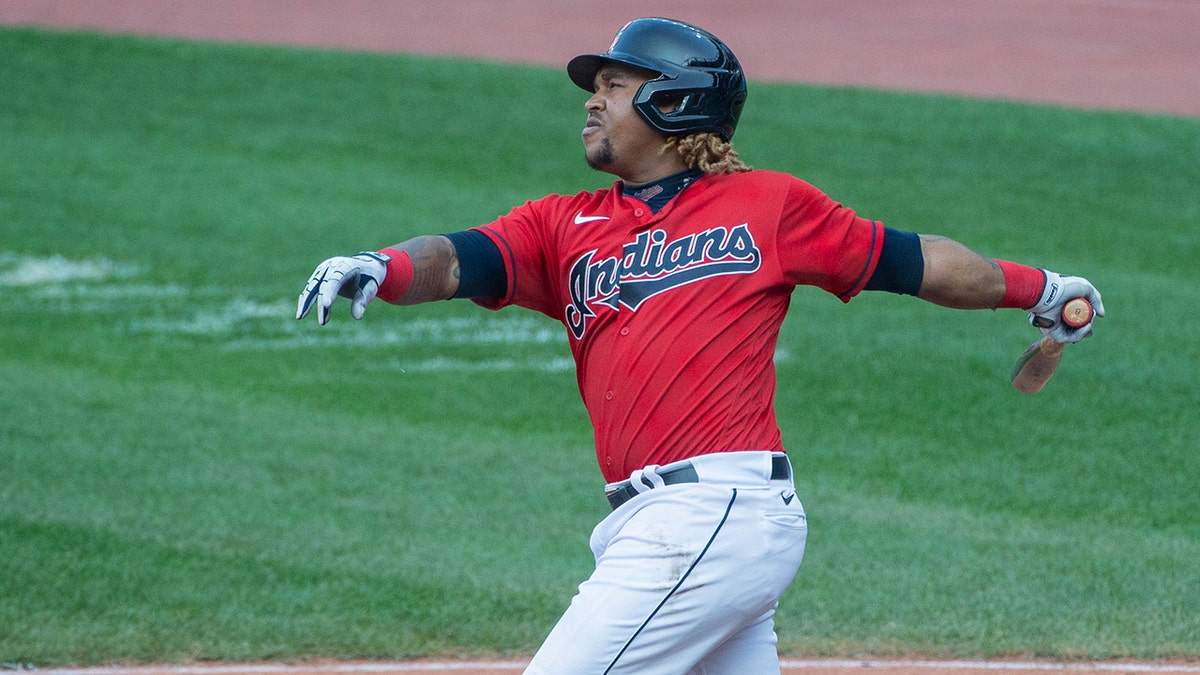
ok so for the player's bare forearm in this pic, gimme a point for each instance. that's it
(955, 276)
(435, 269)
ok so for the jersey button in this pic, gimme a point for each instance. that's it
(639, 212)
(608, 396)
(625, 330)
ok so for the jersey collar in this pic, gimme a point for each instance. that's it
(658, 193)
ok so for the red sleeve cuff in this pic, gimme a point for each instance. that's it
(1023, 285)
(399, 276)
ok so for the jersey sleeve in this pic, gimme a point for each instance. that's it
(824, 244)
(525, 246)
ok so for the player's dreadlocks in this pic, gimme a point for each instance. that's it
(708, 152)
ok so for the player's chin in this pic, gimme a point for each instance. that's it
(599, 154)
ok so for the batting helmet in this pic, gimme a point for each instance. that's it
(695, 69)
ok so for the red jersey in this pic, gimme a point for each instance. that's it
(673, 316)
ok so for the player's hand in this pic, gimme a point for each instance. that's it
(356, 277)
(1047, 313)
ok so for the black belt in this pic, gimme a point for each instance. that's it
(686, 473)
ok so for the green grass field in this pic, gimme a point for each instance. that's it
(186, 472)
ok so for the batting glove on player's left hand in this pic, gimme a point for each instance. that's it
(1059, 290)
(356, 277)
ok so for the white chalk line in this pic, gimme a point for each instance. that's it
(515, 666)
(55, 283)
(19, 270)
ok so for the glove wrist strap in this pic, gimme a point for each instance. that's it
(399, 276)
(1023, 285)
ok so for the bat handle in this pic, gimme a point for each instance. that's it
(1051, 347)
(1036, 365)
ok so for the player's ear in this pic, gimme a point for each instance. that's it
(669, 102)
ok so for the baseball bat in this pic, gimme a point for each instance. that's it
(1039, 361)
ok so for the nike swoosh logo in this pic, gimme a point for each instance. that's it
(787, 498)
(580, 219)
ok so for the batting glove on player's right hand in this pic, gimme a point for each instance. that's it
(356, 277)
(1059, 290)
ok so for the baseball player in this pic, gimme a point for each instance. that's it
(672, 285)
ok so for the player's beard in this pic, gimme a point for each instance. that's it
(602, 157)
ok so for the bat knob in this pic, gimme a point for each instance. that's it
(1077, 313)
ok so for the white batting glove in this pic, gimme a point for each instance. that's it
(356, 277)
(1047, 313)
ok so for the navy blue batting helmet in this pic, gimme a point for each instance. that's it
(694, 69)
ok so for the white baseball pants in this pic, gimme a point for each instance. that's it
(687, 576)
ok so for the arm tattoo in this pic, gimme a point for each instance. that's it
(434, 265)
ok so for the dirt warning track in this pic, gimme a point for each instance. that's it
(790, 667)
(1121, 54)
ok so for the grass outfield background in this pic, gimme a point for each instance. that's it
(188, 473)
